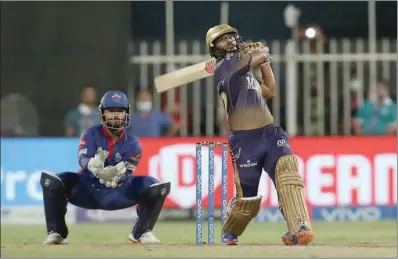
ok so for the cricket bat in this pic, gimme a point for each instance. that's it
(185, 75)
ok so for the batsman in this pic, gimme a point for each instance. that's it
(255, 142)
(108, 155)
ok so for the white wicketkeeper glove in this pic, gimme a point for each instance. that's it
(96, 164)
(111, 175)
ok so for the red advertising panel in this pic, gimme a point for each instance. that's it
(337, 171)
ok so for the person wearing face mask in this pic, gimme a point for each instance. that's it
(84, 116)
(150, 122)
(378, 117)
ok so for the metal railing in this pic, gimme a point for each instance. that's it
(299, 68)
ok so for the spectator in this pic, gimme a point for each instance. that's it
(378, 117)
(150, 122)
(84, 116)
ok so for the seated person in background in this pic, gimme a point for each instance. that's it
(150, 122)
(377, 117)
(84, 116)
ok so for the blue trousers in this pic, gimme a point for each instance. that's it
(82, 193)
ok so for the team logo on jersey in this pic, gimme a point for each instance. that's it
(116, 97)
(118, 157)
(282, 143)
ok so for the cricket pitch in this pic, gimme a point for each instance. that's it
(260, 240)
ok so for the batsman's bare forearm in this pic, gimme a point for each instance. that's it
(268, 87)
(254, 60)
(258, 58)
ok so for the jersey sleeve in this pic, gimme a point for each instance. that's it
(243, 65)
(87, 148)
(133, 158)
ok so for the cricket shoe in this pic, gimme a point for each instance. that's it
(146, 238)
(55, 239)
(303, 237)
(230, 240)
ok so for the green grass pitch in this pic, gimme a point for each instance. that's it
(260, 240)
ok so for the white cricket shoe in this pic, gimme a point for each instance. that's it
(55, 239)
(146, 238)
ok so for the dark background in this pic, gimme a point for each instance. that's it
(262, 19)
(50, 50)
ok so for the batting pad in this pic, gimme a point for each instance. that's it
(240, 212)
(289, 185)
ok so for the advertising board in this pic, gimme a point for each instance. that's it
(346, 178)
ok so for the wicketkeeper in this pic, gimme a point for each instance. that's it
(108, 155)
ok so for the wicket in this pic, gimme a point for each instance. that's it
(199, 214)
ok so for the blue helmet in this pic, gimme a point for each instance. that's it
(114, 111)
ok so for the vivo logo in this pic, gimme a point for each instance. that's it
(211, 184)
(211, 160)
(199, 233)
(211, 233)
(351, 214)
(225, 185)
(224, 209)
(198, 159)
(199, 186)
